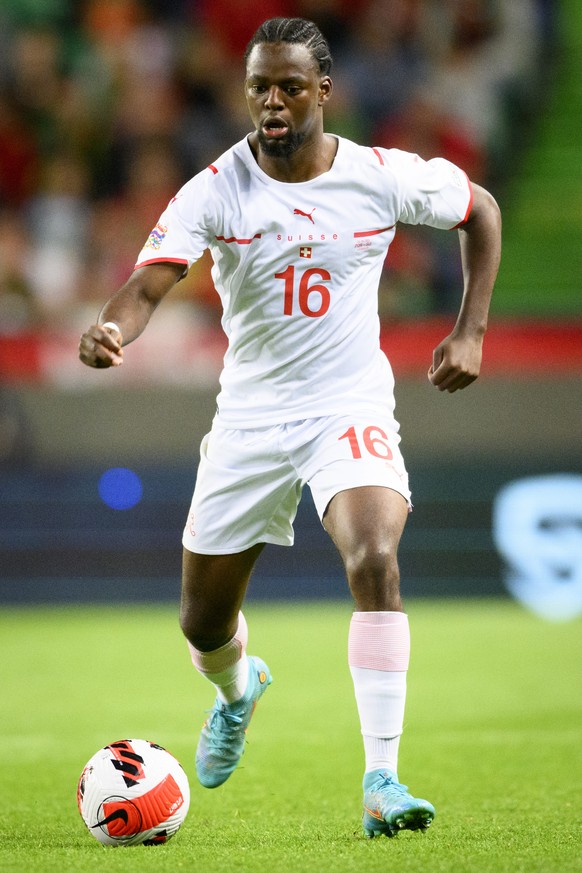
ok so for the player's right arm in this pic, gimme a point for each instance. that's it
(130, 309)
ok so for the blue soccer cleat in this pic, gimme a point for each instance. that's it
(389, 808)
(222, 740)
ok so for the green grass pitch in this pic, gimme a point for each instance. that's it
(493, 737)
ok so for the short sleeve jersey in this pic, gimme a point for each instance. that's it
(297, 267)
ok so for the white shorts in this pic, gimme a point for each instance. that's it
(249, 482)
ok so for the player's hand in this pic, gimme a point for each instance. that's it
(456, 363)
(101, 347)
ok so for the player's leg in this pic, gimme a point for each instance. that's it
(213, 589)
(366, 524)
(246, 495)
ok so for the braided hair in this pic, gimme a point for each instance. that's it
(294, 30)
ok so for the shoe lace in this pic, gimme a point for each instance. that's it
(398, 787)
(223, 727)
(392, 785)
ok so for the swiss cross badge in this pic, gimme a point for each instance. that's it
(305, 252)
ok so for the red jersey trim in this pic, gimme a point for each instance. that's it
(379, 156)
(240, 242)
(213, 168)
(372, 232)
(469, 207)
(161, 261)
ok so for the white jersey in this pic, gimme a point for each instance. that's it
(297, 268)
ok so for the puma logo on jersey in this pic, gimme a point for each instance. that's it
(308, 215)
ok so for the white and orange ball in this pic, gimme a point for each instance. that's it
(132, 792)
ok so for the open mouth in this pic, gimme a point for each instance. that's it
(275, 128)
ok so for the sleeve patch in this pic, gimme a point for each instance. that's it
(156, 237)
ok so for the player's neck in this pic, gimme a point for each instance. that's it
(308, 162)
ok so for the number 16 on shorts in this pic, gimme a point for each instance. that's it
(371, 439)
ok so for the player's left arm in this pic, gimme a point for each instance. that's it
(457, 359)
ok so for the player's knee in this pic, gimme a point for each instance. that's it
(203, 629)
(373, 567)
(196, 634)
(193, 628)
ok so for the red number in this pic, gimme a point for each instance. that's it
(375, 445)
(350, 435)
(305, 291)
(288, 277)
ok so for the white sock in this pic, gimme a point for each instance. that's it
(227, 667)
(381, 753)
(378, 655)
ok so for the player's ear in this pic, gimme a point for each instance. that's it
(325, 89)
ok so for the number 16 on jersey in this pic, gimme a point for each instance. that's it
(307, 290)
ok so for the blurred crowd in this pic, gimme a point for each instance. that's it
(108, 106)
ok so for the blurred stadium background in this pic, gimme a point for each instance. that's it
(106, 108)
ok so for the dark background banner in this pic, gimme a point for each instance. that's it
(59, 541)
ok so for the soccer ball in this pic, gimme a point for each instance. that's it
(131, 792)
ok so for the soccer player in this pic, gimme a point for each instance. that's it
(298, 222)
